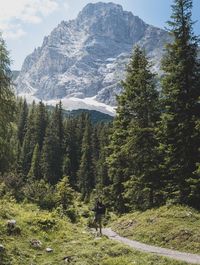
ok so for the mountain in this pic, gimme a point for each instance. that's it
(83, 60)
(15, 74)
(95, 116)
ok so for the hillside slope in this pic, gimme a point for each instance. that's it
(175, 227)
(71, 243)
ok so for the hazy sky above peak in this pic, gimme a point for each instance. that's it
(24, 23)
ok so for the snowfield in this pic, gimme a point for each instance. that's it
(73, 103)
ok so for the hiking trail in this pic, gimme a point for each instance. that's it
(177, 255)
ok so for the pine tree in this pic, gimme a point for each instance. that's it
(95, 143)
(86, 170)
(80, 128)
(22, 122)
(28, 143)
(35, 172)
(179, 137)
(71, 151)
(117, 162)
(57, 118)
(102, 167)
(116, 159)
(132, 163)
(40, 124)
(142, 190)
(64, 193)
(7, 107)
(50, 161)
(52, 151)
(74, 131)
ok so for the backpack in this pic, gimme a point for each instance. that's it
(101, 209)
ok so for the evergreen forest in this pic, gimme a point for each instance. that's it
(147, 157)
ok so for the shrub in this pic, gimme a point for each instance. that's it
(64, 194)
(41, 193)
(12, 183)
(72, 214)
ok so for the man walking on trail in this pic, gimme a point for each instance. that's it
(99, 210)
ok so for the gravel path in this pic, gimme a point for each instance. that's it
(177, 255)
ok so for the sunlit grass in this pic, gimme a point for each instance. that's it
(68, 241)
(175, 227)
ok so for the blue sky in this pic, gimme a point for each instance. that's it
(24, 23)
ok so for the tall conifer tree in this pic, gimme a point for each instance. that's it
(40, 124)
(143, 185)
(35, 172)
(53, 147)
(28, 143)
(133, 158)
(179, 137)
(86, 170)
(50, 159)
(7, 107)
(71, 151)
(101, 165)
(22, 122)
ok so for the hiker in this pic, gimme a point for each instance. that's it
(99, 210)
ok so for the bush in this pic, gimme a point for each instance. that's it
(64, 194)
(12, 183)
(2, 189)
(46, 223)
(41, 193)
(72, 214)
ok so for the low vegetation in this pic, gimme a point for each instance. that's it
(175, 227)
(70, 243)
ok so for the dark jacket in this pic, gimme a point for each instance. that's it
(99, 208)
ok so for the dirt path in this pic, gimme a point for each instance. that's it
(181, 256)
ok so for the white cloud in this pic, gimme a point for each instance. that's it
(14, 32)
(23, 11)
(66, 5)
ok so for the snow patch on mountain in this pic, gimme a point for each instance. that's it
(73, 103)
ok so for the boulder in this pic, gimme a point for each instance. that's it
(35, 243)
(12, 228)
(11, 223)
(49, 250)
(67, 259)
(2, 248)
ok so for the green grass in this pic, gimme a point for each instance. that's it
(175, 227)
(65, 238)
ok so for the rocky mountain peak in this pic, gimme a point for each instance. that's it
(110, 20)
(84, 59)
(99, 9)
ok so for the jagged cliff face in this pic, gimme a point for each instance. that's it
(86, 57)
